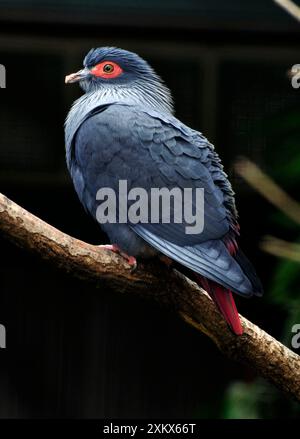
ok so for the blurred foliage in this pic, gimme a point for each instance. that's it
(259, 399)
(283, 139)
(241, 401)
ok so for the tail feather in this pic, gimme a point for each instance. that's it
(225, 303)
(250, 272)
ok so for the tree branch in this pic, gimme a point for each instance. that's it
(290, 7)
(153, 280)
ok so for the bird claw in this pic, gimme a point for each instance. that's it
(131, 260)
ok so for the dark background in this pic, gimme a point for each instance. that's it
(76, 351)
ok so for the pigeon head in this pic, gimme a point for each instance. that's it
(114, 74)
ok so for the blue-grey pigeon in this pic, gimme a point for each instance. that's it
(123, 129)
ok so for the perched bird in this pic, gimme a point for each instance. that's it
(123, 128)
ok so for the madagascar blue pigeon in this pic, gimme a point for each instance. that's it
(123, 129)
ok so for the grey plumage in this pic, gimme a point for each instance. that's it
(124, 129)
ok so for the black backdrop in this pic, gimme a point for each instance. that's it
(76, 351)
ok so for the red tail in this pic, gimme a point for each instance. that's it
(225, 302)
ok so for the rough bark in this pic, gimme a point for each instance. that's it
(154, 280)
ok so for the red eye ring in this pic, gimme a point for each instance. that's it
(107, 70)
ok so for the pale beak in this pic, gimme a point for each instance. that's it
(75, 77)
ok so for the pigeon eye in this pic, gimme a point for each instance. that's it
(107, 70)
